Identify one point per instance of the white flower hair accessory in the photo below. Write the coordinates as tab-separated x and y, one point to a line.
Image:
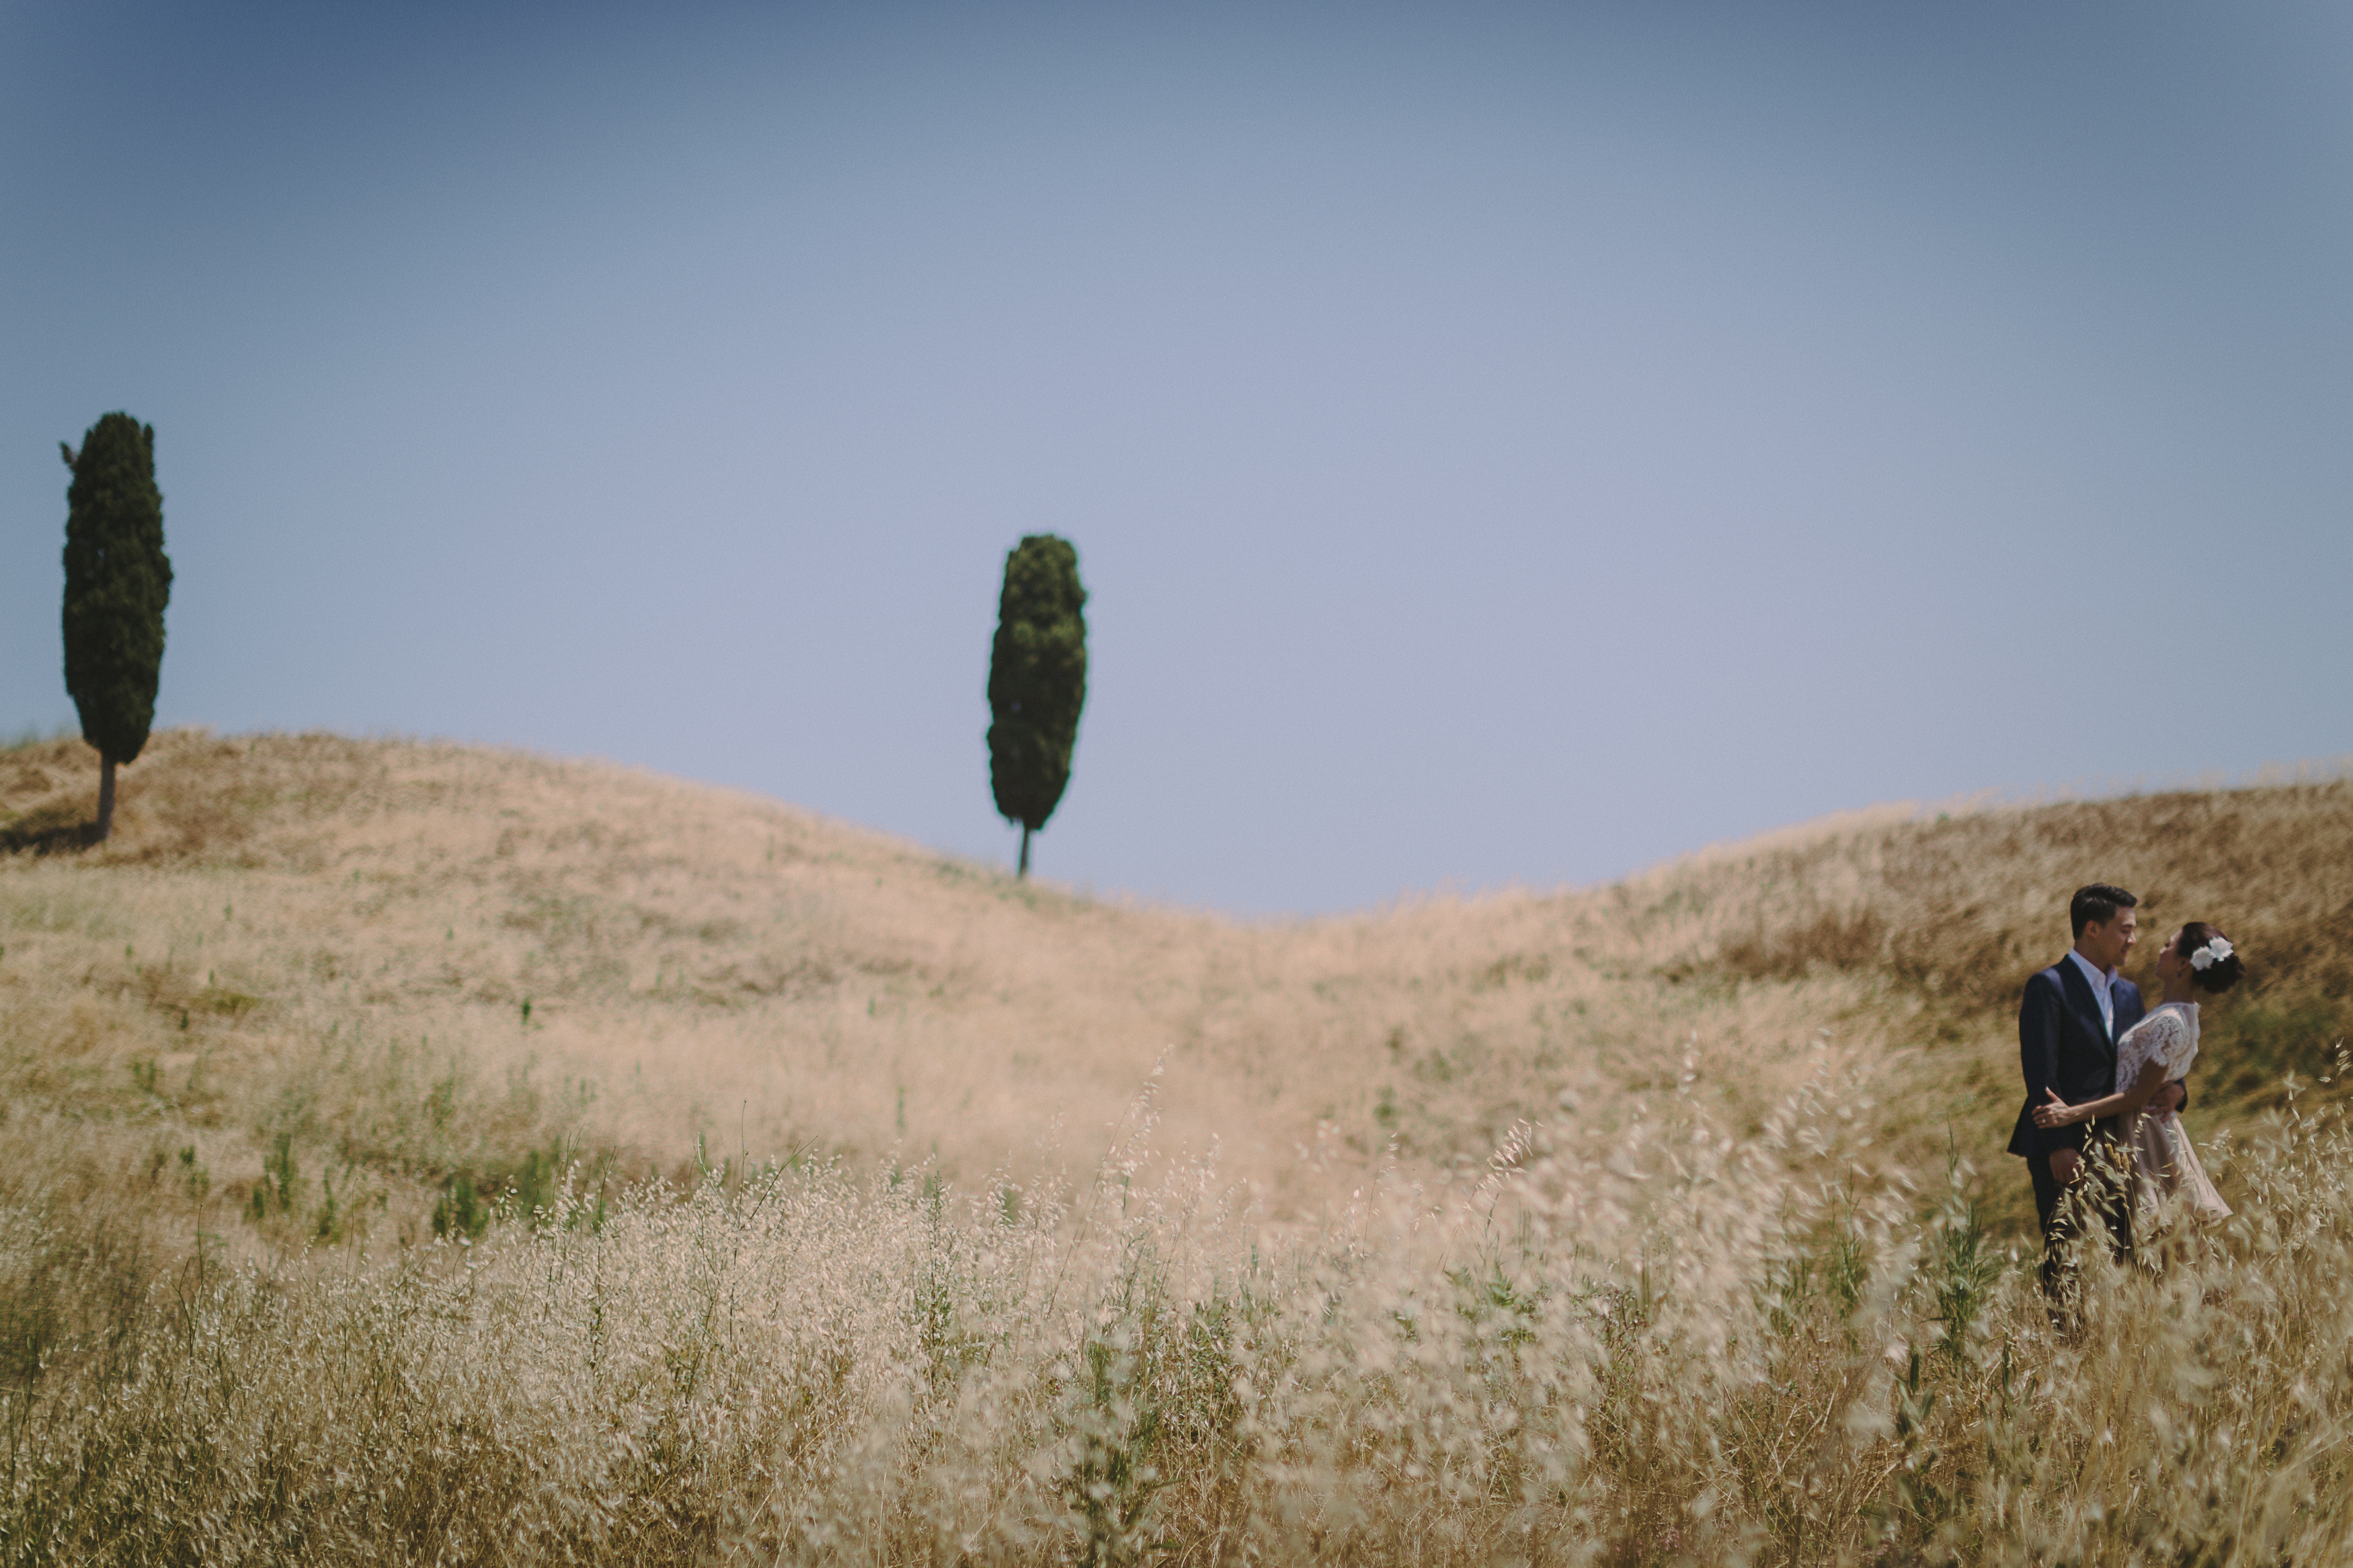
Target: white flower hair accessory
2213	953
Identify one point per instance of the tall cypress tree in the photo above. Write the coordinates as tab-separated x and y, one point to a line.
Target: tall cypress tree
1037	682
118	581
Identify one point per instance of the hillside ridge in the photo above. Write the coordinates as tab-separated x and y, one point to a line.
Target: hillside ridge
414	963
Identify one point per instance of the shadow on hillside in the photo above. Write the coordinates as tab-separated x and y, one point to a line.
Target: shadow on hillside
44	833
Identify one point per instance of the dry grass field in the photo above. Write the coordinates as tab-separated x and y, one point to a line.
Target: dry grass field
423	1153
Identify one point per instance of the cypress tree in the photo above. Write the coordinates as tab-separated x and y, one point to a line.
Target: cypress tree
1037	682
118	581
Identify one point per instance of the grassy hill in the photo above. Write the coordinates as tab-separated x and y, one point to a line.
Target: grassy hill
937	1145
413	962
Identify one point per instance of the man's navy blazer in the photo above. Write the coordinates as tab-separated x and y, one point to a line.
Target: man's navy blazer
2062	1044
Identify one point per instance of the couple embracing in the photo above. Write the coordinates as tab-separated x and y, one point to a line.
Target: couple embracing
2105	1075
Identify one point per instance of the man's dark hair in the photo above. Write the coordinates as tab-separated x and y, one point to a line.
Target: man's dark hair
2098	903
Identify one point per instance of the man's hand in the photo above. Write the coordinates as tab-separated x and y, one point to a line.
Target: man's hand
2168	1097
2066	1164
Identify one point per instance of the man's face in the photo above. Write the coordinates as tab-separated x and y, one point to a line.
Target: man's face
2106	944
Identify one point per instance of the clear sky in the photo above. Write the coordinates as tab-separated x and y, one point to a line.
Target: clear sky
1503	443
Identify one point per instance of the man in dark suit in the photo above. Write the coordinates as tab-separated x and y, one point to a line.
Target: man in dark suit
2068	1024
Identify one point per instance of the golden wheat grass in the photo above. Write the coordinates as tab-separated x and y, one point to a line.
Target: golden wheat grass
419	1153
815	1366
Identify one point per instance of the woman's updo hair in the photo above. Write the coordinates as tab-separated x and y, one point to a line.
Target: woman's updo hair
2218	977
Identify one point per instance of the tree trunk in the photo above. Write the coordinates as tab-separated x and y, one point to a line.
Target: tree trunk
105	796
1023	874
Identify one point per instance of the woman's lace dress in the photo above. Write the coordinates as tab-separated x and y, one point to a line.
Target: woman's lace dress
2165	1168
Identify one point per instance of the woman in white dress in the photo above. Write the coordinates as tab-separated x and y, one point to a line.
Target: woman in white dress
2158	1051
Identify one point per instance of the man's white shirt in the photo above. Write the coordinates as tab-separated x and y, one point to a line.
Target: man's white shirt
2100	981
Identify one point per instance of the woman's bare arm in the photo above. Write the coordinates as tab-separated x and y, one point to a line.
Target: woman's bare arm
2058	1112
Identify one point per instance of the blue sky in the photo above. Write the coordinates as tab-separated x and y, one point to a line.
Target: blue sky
1504	443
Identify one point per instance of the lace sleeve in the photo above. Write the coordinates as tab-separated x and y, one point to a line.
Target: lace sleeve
2180	1049
2164	1040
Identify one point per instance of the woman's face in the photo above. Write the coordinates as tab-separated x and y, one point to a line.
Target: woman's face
2168	958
